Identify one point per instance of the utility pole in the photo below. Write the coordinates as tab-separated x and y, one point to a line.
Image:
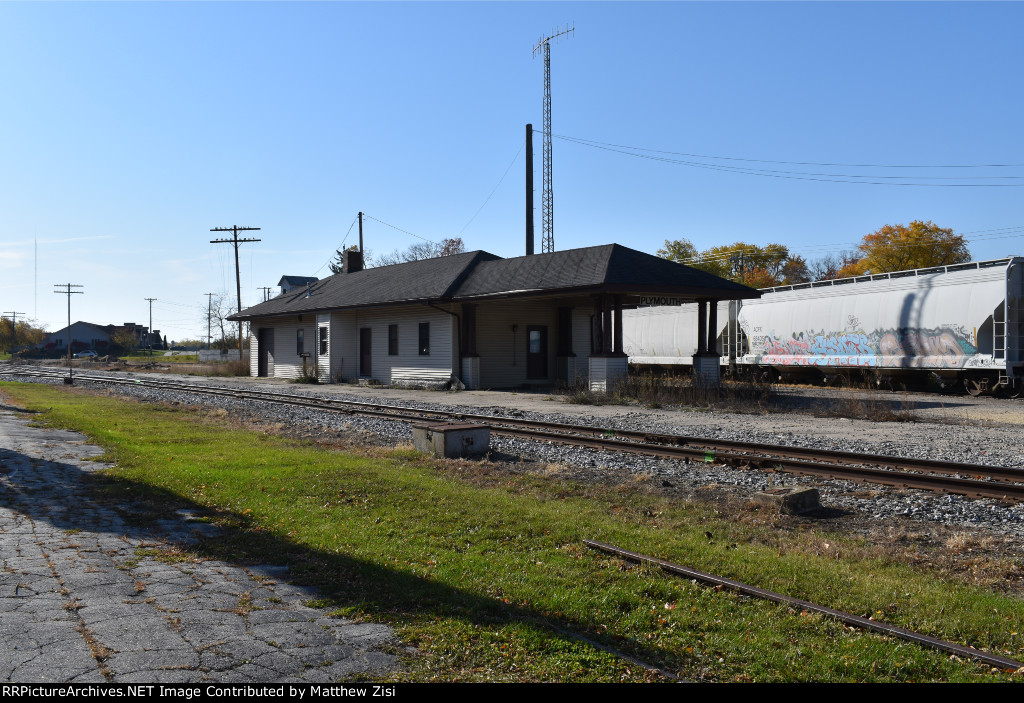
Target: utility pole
547	198
361	235
14	330
235	229
70	380
266	292
209	318
149	334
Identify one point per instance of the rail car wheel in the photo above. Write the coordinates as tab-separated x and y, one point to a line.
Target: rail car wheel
975	386
1015	389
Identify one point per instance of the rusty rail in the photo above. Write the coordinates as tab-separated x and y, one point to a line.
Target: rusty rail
846	618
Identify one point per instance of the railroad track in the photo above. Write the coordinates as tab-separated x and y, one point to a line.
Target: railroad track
972	480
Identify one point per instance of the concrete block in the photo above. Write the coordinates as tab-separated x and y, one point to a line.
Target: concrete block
790	500
451	439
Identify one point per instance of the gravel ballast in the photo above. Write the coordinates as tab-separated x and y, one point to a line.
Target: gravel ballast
993	445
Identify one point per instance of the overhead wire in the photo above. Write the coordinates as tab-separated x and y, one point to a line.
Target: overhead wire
809	176
494	190
341	247
791	163
404	231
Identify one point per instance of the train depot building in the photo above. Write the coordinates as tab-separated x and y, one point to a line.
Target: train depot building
477	320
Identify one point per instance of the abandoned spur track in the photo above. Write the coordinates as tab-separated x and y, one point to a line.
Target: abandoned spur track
971	480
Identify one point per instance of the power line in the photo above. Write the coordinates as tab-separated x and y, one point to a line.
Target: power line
810	176
404	231
340	247
791	163
494	190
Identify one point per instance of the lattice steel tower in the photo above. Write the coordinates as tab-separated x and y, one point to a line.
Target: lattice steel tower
547	198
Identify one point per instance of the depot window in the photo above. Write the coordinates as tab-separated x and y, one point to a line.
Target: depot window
323	340
300	343
424	339
392	340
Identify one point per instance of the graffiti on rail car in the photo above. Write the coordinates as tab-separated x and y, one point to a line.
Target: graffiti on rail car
938	348
906	348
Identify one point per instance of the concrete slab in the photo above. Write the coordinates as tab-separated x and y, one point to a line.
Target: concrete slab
791	500
79	604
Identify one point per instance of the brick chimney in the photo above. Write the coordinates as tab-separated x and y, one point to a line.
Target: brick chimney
351	261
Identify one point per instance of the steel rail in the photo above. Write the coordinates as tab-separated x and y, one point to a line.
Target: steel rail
995	660
789	459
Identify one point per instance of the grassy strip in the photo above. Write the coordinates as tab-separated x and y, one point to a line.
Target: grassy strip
159	357
484	572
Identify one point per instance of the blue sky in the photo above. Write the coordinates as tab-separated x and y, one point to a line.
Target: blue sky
128	130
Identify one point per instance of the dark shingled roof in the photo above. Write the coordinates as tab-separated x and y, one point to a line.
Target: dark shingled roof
415	281
611	268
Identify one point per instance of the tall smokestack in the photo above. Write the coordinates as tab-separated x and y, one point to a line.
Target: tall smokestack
529	190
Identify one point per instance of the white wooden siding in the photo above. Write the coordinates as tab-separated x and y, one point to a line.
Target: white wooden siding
323	361
287	362
502	360
344	346
254	355
407	366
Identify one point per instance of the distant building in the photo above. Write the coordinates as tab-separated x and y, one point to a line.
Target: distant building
87	335
290	283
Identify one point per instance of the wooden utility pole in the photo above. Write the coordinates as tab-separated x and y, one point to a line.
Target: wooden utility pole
70	380
209	318
266	292
235	229
149	334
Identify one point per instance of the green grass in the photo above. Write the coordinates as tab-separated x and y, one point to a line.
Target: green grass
159	356
484	571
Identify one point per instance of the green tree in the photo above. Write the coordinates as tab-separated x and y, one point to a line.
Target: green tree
125	340
901	247
337	262
681	251
749	264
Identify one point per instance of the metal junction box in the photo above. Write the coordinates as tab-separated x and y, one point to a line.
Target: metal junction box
451	439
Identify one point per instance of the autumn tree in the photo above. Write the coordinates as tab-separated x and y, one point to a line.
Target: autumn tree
24	334
901	247
750	264
833	266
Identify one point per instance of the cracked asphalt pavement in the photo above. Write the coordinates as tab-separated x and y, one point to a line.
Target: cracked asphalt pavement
85	596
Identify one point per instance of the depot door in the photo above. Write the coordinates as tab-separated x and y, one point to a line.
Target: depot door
536	351
265	346
365	352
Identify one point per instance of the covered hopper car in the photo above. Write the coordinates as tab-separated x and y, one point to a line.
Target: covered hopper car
953	325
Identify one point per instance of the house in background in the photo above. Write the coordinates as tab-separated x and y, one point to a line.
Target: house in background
290	283
477	319
87	335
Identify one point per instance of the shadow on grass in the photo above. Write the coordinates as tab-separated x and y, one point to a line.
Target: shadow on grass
83	500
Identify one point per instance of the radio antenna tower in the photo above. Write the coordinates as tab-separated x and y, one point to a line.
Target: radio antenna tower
547	199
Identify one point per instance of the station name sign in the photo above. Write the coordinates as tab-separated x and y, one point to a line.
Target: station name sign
662	300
